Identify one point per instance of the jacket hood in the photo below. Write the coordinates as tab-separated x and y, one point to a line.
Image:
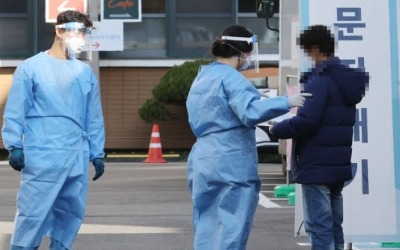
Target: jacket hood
352	82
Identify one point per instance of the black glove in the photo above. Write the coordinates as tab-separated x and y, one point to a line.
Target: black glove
17	159
99	167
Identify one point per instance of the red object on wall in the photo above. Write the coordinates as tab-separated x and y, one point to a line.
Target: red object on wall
55	7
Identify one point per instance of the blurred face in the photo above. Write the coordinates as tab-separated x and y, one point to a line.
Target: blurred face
316	56
311	54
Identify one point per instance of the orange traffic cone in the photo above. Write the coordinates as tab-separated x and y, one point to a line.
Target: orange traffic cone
155	151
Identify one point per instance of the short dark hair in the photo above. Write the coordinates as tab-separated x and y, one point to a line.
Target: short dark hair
317	36
73	16
228	48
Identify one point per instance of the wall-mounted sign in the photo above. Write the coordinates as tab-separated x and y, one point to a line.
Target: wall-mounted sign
122	10
107	36
55	7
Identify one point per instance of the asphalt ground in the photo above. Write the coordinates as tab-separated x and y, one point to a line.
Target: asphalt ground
148	206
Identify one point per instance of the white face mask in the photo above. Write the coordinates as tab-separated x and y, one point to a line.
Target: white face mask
246	63
75	44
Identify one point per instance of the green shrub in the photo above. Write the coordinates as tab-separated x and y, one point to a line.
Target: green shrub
153	111
172	89
175	84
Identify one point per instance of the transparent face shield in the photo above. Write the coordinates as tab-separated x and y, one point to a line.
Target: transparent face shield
254	63
75	39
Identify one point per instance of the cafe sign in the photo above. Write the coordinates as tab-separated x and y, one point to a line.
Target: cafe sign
121	10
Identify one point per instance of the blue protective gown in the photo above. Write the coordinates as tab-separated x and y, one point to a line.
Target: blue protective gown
54	113
223	108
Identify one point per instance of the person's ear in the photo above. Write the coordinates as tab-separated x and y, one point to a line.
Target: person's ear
59	33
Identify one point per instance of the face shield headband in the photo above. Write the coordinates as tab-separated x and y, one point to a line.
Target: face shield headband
254	54
75	27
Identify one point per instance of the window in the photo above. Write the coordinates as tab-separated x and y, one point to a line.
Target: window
247	6
153	6
193	25
13	7
142	40
267	39
173	28
14	35
145	39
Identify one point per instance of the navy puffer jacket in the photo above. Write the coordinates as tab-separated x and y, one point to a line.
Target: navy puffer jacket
323	129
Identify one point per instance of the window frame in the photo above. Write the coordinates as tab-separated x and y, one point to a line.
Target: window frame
36	27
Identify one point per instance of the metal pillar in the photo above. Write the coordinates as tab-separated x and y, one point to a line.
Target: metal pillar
93	11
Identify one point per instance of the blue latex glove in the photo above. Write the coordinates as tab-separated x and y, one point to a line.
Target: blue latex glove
17	159
99	167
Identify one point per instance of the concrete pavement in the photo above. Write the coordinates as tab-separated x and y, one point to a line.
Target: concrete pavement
148	206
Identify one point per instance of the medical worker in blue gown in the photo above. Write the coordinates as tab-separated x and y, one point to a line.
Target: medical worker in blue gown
223	108
53	126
